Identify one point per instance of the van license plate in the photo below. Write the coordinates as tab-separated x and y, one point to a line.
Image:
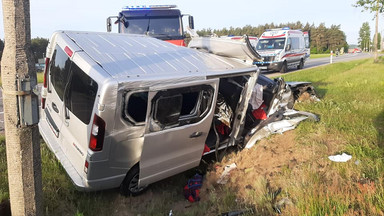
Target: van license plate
263	67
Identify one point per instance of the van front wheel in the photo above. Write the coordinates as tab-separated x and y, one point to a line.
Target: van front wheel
284	67
130	185
301	64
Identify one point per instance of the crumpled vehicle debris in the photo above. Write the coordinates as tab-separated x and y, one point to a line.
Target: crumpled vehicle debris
288	122
279	96
240	49
303	88
270	108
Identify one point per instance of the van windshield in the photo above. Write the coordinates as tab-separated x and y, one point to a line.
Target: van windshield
273	43
159	27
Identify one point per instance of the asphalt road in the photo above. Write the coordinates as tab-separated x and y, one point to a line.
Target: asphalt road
311	63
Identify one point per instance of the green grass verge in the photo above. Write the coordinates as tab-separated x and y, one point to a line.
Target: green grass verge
4	192
352	111
315	56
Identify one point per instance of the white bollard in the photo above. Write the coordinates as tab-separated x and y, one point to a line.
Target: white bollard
331	57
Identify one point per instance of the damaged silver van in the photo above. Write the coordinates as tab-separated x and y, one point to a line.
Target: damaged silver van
130	110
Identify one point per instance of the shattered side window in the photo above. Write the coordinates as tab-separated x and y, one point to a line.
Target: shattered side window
177	107
168	109
135	109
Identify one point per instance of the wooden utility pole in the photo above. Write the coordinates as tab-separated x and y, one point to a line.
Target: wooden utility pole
376	31
20	105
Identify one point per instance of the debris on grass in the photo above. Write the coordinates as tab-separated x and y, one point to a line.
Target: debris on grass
225	175
192	189
340	158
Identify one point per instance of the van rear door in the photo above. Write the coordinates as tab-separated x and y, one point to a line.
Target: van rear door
79	102
178	121
70	103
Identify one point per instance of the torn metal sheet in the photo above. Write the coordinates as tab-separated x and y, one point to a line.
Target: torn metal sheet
275	127
238	49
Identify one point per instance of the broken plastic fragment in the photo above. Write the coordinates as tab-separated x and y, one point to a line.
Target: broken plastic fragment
340	158
225	175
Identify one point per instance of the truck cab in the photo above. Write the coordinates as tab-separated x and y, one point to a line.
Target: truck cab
163	22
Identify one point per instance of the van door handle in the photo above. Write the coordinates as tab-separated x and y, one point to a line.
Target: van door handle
54	107
195	134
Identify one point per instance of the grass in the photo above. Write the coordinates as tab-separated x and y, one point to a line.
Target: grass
4	193
352	121
352	110
315	56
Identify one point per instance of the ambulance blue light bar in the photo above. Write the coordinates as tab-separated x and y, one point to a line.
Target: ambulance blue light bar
149	7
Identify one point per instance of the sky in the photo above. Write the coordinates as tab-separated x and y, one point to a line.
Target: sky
48	16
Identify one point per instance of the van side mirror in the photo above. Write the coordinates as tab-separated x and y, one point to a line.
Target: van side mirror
191	23
109	24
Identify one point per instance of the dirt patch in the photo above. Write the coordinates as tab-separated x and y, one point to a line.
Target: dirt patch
267	158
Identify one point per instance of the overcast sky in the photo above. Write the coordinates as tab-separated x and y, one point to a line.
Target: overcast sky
48	16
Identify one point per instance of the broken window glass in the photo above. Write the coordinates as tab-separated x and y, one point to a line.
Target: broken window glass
135	109
180	106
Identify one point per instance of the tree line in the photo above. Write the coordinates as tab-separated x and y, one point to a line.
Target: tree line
323	39
365	42
38	47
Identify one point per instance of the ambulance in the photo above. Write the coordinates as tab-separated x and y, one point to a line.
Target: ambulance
283	48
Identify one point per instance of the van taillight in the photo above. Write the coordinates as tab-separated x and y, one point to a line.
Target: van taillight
45	82
97	134
86	165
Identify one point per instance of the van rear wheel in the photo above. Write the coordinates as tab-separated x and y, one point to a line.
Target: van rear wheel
130	185
284	67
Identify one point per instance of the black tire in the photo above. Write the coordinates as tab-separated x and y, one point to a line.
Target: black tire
284	67
301	65
130	185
